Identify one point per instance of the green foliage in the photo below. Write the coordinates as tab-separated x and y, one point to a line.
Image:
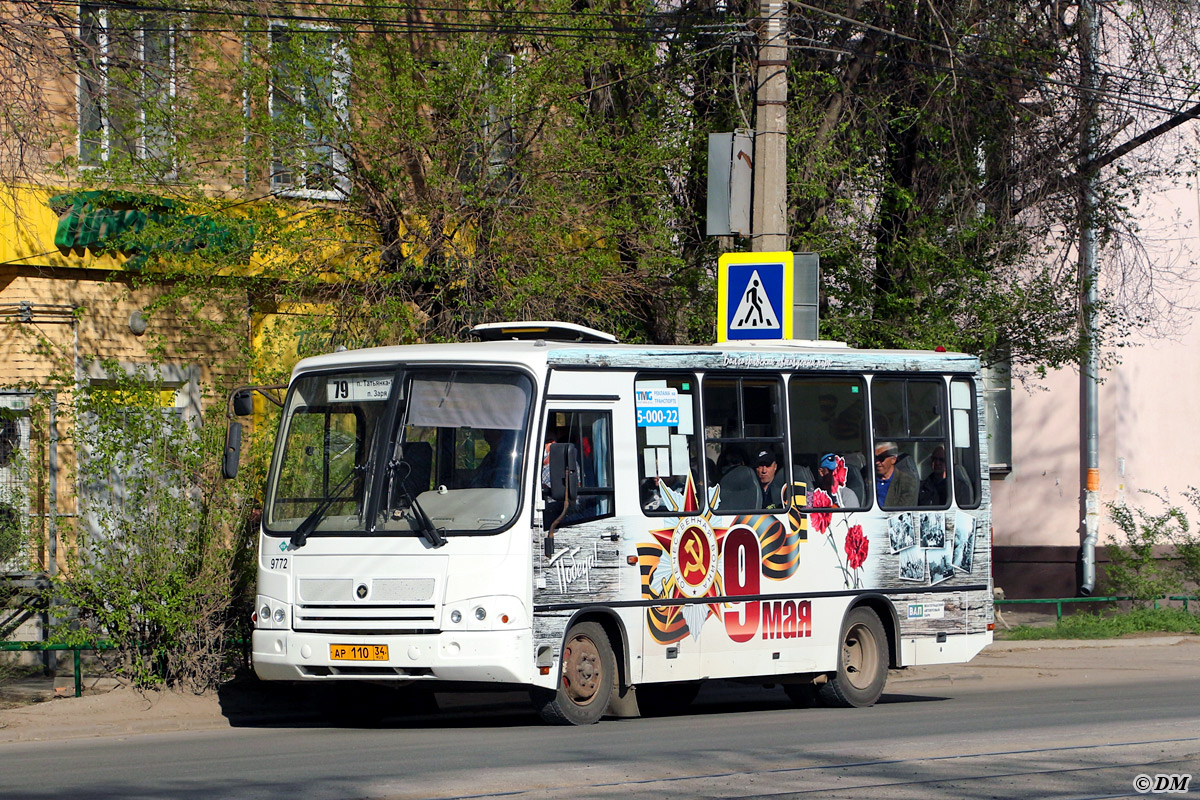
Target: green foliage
1187	548
14	493
11	535
1153	554
160	554
477	177
488	161
1112	624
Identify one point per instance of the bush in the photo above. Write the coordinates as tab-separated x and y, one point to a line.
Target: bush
11	534
157	562
1136	567
1187	549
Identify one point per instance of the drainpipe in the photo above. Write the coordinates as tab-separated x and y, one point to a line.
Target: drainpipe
52	527
49	661
1090	366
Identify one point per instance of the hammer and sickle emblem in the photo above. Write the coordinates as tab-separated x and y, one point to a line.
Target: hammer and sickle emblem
693	550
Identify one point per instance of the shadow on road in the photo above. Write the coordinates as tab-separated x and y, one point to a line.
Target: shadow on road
249	702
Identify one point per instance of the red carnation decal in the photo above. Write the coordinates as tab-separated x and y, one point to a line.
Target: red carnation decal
856	547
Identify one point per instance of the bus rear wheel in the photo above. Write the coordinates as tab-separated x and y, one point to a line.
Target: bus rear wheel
862	662
586	681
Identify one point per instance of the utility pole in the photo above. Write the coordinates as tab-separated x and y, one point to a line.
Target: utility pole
1089	367
769	222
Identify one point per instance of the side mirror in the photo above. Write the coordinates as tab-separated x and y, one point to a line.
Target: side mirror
564	472
233	450
243	403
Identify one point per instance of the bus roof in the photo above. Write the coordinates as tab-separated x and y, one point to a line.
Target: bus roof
538	354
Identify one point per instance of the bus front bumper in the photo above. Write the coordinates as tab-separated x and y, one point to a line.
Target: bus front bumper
482	656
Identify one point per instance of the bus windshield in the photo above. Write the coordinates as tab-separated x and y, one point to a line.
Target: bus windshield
456	455
448	460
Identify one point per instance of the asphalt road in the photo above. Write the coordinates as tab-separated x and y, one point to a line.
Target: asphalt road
1051	723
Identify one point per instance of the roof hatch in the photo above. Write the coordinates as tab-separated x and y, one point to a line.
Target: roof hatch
549	331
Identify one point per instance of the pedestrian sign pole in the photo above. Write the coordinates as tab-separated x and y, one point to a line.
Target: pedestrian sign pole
754	296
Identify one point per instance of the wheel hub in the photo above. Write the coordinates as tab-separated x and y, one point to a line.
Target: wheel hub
582	671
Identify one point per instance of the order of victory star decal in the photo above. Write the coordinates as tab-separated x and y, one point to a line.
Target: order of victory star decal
686	566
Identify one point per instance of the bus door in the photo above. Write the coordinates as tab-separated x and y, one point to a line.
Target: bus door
584	564
676	547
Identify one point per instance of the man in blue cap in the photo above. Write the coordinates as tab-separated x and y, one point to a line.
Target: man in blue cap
832	471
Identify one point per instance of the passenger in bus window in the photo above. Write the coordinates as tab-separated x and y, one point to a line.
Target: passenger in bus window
895	488
831	473
933	487
770	483
496	470
552	437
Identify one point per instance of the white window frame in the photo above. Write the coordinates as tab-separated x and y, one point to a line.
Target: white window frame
498	134
14	477
183	379
102	96
340	80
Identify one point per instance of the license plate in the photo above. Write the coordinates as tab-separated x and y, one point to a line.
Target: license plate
358	652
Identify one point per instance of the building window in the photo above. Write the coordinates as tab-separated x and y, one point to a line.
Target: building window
127	85
310	77
16	551
499	137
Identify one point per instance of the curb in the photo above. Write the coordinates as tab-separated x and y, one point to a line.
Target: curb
1071	644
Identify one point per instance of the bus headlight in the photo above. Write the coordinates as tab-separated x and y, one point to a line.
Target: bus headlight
480	614
264	613
279	616
456	616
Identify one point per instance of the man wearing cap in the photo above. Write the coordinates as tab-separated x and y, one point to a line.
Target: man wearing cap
766	468
894	487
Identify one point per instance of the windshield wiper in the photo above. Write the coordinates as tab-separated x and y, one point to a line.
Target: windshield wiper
425	526
305	528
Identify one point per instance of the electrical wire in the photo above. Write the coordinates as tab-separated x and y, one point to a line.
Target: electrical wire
970	64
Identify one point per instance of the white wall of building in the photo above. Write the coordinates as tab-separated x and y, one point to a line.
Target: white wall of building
1149	413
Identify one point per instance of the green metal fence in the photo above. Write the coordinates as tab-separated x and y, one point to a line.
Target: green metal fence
1059	601
74	648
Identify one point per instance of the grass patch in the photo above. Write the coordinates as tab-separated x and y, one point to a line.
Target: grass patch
1085	625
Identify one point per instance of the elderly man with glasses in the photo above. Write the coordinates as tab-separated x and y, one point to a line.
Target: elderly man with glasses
895	488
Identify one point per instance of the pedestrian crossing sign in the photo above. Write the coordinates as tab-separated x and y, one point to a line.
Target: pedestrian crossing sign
754	296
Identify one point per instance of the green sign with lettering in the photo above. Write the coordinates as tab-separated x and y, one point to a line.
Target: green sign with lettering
97	220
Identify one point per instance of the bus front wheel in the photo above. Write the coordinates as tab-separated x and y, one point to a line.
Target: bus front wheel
586	681
862	662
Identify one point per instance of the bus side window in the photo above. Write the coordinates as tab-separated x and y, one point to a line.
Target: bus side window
828	421
743	428
591	433
964	418
911	444
667	446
